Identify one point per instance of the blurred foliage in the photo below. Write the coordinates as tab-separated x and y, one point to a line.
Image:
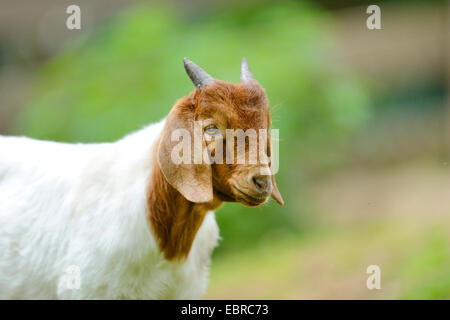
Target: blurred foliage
129	73
331	264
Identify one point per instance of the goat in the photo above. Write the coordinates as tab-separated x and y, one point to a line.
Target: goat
121	220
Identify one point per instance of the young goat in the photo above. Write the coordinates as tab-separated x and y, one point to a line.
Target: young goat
122	220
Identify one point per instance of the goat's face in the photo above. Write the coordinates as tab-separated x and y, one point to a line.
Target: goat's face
222	111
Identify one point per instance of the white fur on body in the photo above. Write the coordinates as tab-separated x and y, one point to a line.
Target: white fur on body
84	205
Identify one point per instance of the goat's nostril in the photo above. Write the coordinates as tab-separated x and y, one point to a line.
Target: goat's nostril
262	183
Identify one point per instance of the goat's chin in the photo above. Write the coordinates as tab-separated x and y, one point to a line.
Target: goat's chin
239	196
246	199
251	202
222	196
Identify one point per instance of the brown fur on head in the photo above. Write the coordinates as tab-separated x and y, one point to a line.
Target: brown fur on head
181	194
220	105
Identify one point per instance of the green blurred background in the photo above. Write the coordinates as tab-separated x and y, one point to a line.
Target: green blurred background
363	118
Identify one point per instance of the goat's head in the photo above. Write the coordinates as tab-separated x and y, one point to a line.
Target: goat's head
215	116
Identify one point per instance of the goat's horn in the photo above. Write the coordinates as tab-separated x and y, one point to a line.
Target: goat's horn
246	74
198	76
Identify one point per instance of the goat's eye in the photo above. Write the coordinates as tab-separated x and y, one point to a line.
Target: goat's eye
212	130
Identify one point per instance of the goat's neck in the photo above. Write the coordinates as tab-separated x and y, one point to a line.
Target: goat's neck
174	220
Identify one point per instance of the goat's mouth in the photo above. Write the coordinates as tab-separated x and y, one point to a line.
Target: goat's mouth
247	199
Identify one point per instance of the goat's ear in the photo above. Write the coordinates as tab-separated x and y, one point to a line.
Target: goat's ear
276	195
193	181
